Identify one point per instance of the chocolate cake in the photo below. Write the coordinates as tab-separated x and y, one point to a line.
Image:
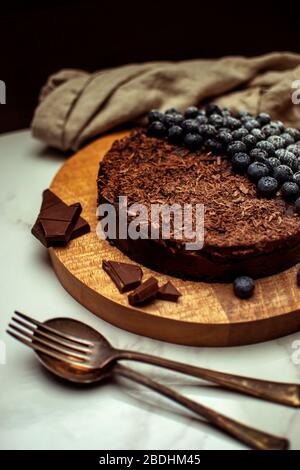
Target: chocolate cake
245	234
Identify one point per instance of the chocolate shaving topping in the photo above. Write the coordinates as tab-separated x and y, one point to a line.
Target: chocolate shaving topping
125	276
237	221
168	292
144	292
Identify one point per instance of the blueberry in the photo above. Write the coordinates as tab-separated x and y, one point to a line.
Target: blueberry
238	134
235	147
216	120
175	134
258	155
155	115
201	119
273	162
288	139
266	146
232	123
297	206
191	112
224	137
295	149
225	112
297	177
243	113
243	287
250	141
280	153
267	186
190	126
290	160
263	119
271	129
283	173
157	129
207	131
193	141
257	170
290	191
172	119
212	109
251	124
293	132
276	141
172	111
259	134
240	162
213	146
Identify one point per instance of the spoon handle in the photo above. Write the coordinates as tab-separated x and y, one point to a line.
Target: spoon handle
284	393
252	437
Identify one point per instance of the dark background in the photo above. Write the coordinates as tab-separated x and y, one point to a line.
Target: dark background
39	39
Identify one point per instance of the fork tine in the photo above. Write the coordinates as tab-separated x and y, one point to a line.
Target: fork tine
53	330
49	344
38	332
47	351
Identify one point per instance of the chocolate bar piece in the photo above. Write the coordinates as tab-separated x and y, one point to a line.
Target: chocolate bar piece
168	292
125	276
145	292
57	222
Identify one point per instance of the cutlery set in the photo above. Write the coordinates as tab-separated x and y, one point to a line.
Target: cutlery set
78	353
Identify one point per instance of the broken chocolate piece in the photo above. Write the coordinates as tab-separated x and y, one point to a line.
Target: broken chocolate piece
125	276
144	292
168	292
58	222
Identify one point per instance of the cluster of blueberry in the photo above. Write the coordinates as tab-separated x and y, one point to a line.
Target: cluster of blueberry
265	150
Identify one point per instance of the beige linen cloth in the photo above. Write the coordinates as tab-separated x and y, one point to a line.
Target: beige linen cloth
76	106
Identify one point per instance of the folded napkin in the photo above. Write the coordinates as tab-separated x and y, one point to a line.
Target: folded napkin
76	106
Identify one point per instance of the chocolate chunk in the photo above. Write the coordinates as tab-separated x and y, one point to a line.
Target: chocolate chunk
144	292
168	292
58	222
125	276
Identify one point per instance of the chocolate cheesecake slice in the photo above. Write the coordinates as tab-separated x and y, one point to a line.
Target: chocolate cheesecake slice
244	234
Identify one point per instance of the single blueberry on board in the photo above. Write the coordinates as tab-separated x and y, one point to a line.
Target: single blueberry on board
243	287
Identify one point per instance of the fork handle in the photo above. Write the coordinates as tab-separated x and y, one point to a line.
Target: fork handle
284	393
252	437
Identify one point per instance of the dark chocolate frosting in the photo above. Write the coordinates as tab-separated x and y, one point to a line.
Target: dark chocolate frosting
244	234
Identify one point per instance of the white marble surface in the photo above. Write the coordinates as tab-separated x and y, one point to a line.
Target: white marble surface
38	412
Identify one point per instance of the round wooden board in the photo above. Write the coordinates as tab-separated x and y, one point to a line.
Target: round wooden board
206	314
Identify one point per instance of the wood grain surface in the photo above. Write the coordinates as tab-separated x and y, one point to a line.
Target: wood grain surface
205	315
